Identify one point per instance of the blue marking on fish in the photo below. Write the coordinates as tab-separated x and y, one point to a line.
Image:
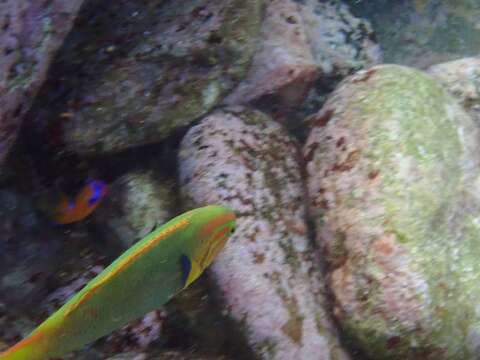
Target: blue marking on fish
97	187
186	267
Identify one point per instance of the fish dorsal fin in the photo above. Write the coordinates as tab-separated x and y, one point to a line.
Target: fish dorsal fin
190	270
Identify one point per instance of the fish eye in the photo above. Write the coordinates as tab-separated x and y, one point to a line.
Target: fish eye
232	230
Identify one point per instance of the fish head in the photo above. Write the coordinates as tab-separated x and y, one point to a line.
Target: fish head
217	225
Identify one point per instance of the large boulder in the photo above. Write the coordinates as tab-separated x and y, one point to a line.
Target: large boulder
267	276
147	69
393	176
300	42
30	34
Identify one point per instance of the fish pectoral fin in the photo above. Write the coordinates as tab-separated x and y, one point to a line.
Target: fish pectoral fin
191	270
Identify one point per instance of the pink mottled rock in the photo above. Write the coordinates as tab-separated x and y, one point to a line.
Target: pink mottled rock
267	276
303	41
30	34
462	79
283	61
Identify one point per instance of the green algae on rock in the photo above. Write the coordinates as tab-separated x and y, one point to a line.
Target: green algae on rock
393	176
181	65
267	275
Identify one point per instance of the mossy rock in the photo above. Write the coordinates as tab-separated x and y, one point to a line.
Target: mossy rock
149	69
393	175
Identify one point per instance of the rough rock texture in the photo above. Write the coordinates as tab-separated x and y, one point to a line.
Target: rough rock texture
423	32
29	250
30	34
11	325
462	79
167	355
393	173
283	63
267	274
137	203
147	69
303	40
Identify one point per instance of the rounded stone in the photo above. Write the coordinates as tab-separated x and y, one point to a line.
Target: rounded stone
267	276
393	173
153	69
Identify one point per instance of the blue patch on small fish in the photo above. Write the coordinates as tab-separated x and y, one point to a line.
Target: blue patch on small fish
71	204
97	187
186	268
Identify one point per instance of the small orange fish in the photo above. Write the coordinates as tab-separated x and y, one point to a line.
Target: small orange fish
87	200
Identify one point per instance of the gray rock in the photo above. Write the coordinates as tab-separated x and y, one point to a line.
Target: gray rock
462	79
393	173
152	68
166	355
420	33
137	203
30	34
267	275
29	252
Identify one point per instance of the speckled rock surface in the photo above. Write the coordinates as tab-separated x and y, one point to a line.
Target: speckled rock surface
301	40
267	275
29	252
166	355
462	79
30	34
137	203
393	173
420	33
148	68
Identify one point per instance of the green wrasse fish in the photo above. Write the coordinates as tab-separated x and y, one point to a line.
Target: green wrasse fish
142	279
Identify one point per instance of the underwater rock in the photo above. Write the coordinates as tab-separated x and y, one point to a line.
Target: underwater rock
283	64
29	252
462	79
420	33
300	41
13	326
166	355
140	334
31	32
267	276
155	67
136	204
393	176
195	309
